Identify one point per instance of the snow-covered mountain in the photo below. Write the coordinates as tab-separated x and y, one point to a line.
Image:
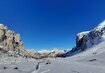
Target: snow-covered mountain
47	53
52	53
88	39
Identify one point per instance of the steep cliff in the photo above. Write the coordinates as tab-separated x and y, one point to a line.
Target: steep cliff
10	41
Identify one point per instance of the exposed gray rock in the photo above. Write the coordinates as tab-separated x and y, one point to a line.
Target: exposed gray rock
10	41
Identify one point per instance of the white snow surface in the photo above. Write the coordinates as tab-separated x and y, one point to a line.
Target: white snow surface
100	26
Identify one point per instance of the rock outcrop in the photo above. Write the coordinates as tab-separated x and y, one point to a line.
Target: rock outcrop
10	41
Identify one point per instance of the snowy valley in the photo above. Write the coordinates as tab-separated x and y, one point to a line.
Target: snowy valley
87	57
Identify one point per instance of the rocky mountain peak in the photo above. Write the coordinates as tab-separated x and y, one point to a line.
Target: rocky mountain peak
10	41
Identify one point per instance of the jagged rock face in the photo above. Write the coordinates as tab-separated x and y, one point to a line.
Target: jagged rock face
81	40
9	40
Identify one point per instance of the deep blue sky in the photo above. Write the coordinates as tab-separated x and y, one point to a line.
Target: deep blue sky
51	23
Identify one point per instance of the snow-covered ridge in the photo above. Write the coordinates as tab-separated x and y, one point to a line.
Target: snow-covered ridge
100	26
94	36
47	53
81	34
85	40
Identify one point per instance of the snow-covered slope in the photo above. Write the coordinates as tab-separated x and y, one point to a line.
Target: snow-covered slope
88	39
89	61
